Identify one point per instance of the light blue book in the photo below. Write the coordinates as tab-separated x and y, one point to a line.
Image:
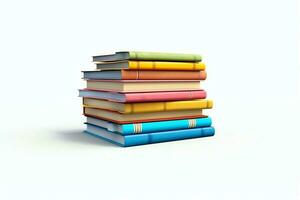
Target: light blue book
148	138
95	75
148	127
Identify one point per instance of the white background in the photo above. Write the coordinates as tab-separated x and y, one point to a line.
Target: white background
252	53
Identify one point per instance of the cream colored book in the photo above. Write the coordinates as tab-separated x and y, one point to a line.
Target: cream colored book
121	118
148	106
143	85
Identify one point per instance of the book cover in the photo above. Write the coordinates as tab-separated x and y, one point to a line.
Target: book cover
148	127
151	65
149	138
142	55
128	108
145	75
143	96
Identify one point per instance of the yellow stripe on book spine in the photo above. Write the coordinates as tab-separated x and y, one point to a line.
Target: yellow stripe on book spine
192	123
134	128
137	128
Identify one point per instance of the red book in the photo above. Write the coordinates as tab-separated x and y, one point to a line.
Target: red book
143	96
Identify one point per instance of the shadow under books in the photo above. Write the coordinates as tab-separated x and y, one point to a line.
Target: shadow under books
78	136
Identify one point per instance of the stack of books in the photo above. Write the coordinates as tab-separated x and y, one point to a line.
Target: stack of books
136	98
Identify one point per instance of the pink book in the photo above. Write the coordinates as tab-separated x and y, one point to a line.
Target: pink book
143	96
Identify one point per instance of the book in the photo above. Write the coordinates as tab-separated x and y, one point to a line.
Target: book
145	75
151	65
141	55
120	118
128	108
148	127
149	138
143	85
143	96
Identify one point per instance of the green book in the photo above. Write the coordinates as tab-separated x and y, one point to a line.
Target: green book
155	56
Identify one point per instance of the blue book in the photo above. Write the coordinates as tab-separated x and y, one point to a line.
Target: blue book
148	138
96	75
148	127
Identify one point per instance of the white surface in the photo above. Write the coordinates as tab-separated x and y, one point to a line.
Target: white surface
252	52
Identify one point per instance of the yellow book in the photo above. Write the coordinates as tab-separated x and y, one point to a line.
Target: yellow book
128	108
151	65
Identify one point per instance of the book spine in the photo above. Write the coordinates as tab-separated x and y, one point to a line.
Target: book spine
133	55
200	115
155	65
164	96
133	140
166	106
163	75
149	127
